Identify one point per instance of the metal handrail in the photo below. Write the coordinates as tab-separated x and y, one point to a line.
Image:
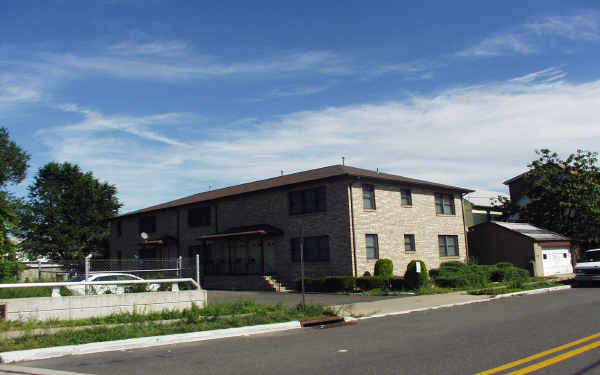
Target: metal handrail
108	282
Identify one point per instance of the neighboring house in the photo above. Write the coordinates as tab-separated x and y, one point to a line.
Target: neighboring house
541	251
518	189
482	206
348	218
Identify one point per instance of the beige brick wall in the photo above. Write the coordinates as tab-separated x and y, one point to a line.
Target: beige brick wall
268	207
391	221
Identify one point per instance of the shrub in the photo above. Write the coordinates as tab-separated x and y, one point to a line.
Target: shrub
10	270
461	275
326	284
372	282
337	284
396	283
516	277
311	284
454	265
504	265
384	268
414	279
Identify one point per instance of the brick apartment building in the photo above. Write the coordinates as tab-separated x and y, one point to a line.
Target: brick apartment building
348	218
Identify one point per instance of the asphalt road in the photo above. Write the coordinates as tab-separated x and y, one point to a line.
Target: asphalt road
459	340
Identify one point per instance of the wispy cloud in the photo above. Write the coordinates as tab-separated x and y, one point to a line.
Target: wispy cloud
584	26
173	60
411	70
141	127
538	36
469	136
299	91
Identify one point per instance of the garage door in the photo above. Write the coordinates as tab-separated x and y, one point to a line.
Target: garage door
556	261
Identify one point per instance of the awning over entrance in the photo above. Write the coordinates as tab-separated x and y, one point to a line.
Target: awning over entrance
260	230
233	259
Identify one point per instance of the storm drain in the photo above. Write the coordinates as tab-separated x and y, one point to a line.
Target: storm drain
334	321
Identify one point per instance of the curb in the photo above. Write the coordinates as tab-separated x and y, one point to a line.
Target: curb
15	370
147	342
488	299
142	342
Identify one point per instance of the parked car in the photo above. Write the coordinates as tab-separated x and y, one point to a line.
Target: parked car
79	290
588	267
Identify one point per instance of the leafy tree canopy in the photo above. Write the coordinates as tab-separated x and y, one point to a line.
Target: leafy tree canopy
68	211
565	195
13	165
13	160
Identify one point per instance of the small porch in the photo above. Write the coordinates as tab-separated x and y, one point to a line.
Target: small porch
239	251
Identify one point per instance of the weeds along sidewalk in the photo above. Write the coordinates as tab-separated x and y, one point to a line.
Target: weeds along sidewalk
241	314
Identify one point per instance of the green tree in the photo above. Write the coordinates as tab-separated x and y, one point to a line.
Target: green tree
565	195
13	166
67	213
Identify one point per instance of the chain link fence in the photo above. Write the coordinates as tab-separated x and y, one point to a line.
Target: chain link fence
159	268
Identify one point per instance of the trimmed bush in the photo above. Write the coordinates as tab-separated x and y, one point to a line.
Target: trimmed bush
372	282
396	283
461	275
384	268
454	265
414	280
516	277
326	284
337	284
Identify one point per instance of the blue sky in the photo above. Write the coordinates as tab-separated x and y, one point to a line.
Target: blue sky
168	98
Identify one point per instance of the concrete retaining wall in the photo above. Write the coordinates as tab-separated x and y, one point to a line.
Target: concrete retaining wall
82	307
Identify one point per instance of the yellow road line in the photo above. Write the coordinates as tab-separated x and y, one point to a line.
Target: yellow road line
537	356
553	360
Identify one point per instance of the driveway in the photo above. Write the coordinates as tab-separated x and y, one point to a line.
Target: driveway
291	299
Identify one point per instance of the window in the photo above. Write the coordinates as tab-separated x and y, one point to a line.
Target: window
368	196
448	246
409	242
148	224
307	201
199	216
372	245
406	197
444	204
316	249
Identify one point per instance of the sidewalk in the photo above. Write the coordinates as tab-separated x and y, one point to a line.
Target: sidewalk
360	310
426	302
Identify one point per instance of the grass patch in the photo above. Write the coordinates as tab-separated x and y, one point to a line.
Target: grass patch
211	310
509	289
192	320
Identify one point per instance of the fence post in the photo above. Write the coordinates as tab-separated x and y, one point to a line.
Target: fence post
39	269
179	266
87	271
198	269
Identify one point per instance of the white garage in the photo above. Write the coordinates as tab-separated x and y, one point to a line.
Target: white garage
542	252
556	261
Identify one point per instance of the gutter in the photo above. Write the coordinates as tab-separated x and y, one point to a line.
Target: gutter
353	231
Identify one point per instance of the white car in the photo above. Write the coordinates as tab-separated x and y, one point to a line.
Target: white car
79	290
588	267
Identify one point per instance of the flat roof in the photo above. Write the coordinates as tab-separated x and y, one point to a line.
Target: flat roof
292	179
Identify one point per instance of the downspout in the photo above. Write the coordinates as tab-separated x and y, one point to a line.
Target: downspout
462	207
353	232
178	233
